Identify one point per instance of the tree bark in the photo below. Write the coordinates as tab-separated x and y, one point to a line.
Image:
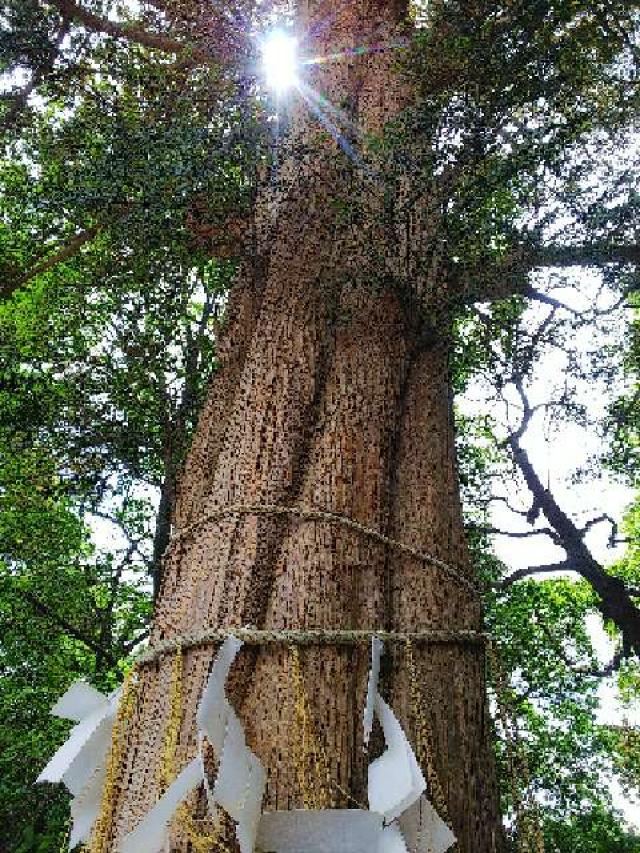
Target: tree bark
331	397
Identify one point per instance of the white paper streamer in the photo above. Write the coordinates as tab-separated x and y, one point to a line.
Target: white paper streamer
80	700
400	819
214	708
395	779
396	783
424	829
240	782
80	762
150	835
325	831
241	779
85	808
377	647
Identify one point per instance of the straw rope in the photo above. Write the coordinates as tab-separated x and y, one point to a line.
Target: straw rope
311	514
313	637
168	769
312	766
103	830
201	842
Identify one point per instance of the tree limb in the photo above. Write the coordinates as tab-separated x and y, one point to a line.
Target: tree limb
590	671
509	276
521	534
501	499
44	610
130	646
615	603
45	68
585	256
130	32
598	520
562	566
63	254
545	299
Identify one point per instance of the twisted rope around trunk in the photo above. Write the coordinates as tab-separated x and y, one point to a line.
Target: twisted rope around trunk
311	514
315	637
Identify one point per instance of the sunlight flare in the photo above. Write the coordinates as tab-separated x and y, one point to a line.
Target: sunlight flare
280	61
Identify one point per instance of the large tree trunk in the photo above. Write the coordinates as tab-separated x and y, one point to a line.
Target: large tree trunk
330	396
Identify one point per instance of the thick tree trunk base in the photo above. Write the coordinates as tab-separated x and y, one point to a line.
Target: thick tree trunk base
354	418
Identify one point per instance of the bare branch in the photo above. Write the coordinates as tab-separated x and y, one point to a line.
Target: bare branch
501	499
562	566
604	671
528	412
545	299
598	520
615	602
585	256
589	671
521	534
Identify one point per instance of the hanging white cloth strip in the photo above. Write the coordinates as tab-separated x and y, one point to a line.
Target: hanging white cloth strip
396	783
424	830
150	836
80	763
240	783
372	687
241	780
400	818
324	831
395	779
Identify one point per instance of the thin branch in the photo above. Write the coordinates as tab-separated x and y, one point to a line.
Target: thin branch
44	610
130	32
585	256
500	498
545	299
41	71
528	412
130	646
134	543
598	520
604	671
521	534
589	671
63	254
563	566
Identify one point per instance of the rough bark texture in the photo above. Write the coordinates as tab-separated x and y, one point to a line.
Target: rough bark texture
329	396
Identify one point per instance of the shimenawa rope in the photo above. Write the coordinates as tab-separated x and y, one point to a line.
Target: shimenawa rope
312	514
313	637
